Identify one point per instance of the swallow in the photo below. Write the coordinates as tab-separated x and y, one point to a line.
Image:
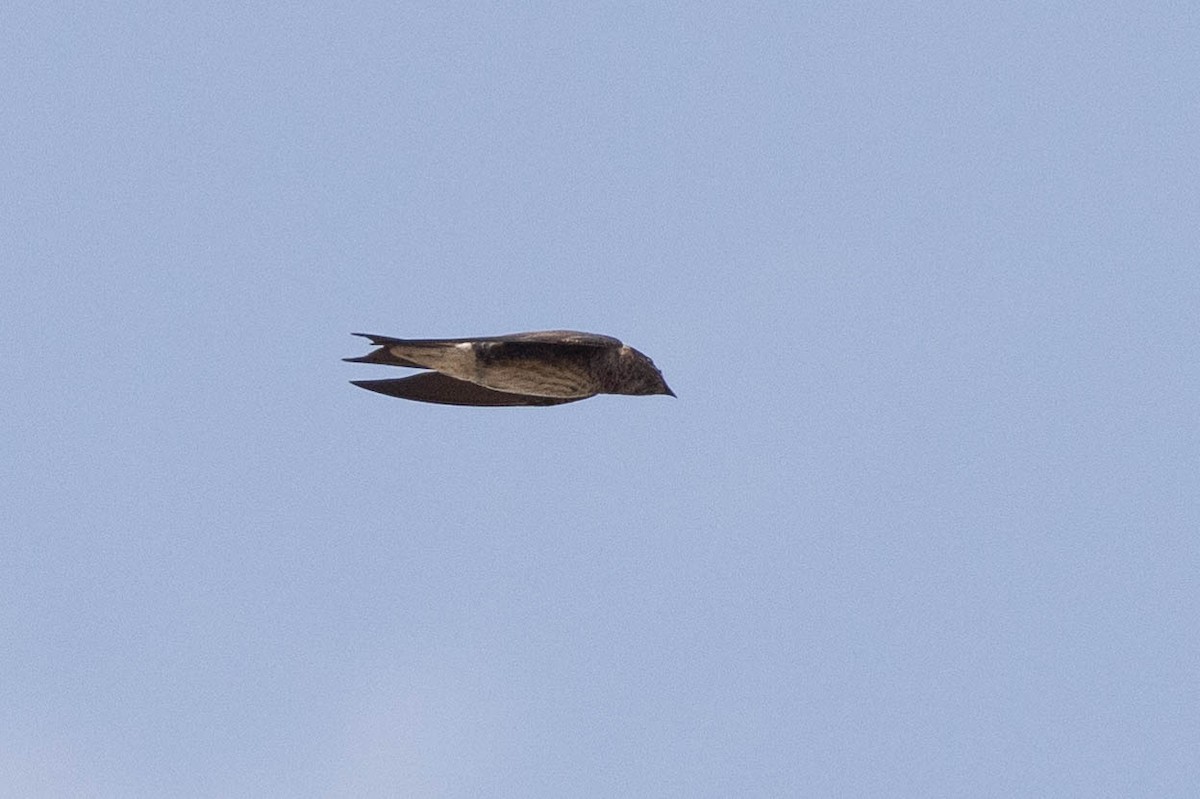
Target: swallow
547	367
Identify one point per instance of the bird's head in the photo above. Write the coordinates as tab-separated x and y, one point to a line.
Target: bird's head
641	376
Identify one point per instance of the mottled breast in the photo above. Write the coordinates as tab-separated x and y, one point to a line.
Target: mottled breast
545	370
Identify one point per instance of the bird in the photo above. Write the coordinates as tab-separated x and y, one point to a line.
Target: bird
545	367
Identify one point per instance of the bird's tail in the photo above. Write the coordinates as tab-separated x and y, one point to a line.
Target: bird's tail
383	355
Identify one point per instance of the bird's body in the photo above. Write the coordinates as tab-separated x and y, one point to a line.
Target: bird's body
547	367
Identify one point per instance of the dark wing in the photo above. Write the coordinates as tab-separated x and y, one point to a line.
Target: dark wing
572	338
443	390
546	338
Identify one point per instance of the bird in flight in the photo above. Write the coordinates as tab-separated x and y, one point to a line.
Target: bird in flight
547	367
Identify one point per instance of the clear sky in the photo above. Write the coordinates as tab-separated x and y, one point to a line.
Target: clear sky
923	520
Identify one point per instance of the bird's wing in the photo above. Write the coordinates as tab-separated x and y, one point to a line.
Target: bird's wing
444	390
573	338
543	338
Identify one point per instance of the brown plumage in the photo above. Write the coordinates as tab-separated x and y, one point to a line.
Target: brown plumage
547	367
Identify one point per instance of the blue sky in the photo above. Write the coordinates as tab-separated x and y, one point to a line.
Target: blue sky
923	520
